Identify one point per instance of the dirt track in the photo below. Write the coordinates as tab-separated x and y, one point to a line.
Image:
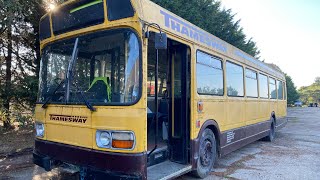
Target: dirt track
295	154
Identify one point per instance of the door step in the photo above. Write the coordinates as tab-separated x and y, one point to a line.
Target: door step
158	156
167	170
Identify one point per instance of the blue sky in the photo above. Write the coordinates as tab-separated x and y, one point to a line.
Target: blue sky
287	33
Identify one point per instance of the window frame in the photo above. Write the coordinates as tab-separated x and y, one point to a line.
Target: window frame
278	83
275	80
257	79
267	85
243	83
223	74
284	91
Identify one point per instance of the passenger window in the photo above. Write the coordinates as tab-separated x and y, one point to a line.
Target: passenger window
263	86
285	91
251	83
272	88
280	90
234	79
209	74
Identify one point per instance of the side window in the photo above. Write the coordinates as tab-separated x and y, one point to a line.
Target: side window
263	86
272	88
234	79
285	91
280	90
209	74
251	83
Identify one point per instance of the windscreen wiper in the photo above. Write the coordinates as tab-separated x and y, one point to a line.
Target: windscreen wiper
70	76
45	105
70	69
89	106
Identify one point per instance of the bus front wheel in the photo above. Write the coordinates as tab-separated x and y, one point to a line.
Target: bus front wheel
207	154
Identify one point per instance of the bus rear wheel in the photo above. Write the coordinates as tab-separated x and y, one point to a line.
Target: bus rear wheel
207	154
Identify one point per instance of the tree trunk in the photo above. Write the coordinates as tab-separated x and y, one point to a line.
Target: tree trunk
7	92
38	57
41	11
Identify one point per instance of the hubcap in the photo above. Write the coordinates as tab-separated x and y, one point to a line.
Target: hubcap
206	153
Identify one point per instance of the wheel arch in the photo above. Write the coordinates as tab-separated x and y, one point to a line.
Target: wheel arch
213	125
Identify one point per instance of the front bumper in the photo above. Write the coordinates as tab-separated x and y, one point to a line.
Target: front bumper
100	164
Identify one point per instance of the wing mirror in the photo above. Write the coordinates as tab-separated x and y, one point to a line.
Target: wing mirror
161	40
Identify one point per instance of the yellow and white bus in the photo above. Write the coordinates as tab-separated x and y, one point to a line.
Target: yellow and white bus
130	90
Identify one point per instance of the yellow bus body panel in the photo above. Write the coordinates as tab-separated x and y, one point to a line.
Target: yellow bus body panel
83	134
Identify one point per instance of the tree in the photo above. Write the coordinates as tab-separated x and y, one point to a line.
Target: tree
208	15
292	92
9	16
311	94
317	80
19	55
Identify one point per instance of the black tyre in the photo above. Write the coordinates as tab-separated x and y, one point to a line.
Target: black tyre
207	154
272	133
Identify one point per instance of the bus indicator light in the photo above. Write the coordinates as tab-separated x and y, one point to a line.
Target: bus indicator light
122	140
198	123
200	106
122	144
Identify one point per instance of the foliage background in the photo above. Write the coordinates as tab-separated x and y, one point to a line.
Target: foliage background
292	92
310	94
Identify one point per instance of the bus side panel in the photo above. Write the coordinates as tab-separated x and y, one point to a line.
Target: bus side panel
282	109
273	107
252	111
235	113
239	137
212	109
264	109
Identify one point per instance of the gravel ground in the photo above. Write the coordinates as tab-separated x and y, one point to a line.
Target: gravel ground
295	154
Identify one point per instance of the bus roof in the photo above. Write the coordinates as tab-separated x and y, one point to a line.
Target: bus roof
173	24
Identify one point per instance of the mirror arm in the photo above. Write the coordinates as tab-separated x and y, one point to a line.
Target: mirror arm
147	34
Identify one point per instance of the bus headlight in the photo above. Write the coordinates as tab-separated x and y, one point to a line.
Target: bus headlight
103	139
39	129
115	139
